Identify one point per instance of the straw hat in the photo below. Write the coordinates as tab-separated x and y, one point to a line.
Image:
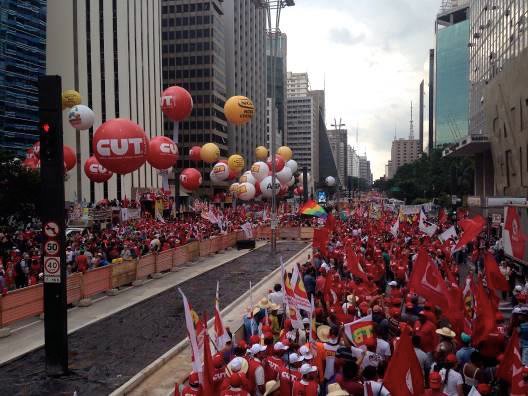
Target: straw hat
351	299
273	307
271	386
264	303
236	365
323	333
336	390
446	332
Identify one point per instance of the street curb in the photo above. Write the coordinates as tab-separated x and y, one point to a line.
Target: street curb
137	379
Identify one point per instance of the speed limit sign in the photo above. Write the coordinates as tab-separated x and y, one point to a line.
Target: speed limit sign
51	248
52	270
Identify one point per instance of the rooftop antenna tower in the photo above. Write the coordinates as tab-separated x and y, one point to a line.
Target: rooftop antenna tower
411	125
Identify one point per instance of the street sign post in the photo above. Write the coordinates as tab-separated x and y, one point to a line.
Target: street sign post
53	224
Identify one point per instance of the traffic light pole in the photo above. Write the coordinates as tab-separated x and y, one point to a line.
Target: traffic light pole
53	225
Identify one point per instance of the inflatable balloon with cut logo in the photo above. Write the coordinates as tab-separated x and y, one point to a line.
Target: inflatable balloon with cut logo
236	162
219	173
234	189
209	153
260	170
279	163
95	171
120	145
176	103
70	158
194	153
266	186
81	117
70	98
285	152
285	175
162	153
292	165
191	179
246	191
248	177
239	110
261	153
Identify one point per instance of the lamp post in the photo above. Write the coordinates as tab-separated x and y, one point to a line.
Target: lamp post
338	140
274	9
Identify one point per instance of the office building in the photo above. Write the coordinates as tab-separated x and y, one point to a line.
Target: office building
421	114
272	116
364	169
193	52
404	151
428	103
297	84
245	62
23	59
339	144
452	76
352	162
111	54
280	76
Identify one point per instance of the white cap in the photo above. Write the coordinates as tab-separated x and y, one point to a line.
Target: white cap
236	364
294	358
518	288
257	348
306	320
307	369
393	283
305	351
279	346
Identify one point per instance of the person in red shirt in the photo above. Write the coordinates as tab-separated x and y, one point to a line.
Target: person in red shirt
436	385
426	329
219	373
290	374
255	372
307	386
194	388
273	364
235	387
81	262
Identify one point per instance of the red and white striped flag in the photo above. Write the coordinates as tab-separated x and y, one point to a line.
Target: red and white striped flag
221	336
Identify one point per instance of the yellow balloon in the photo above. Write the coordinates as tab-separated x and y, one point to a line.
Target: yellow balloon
261	153
209	153
236	162
285	152
70	98
239	110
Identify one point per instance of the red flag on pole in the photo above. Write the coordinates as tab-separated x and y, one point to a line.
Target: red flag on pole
484	322
427	281
404	375
208	369
353	265
494	277
472	228
510	369
320	239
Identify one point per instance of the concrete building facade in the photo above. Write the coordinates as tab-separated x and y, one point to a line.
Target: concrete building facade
365	172
280	41
109	51
403	151
339	144
272	117
352	162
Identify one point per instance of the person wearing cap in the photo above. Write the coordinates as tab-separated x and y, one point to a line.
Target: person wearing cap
219	373
426	329
290	374
464	353
304	333
193	388
452	380
307	386
435	384
329	337
235	387
255	373
273	363
240	366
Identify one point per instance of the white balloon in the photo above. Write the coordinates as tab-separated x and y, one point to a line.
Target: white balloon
292	165
260	170
285	175
219	173
81	117
330	181
234	189
246	191
266	186
292	181
247	177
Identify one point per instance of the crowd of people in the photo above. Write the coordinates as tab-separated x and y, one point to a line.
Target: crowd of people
20	250
393	311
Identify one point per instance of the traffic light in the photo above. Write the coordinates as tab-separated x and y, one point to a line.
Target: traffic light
50	116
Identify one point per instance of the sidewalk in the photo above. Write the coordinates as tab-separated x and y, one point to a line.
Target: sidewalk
29	335
158	378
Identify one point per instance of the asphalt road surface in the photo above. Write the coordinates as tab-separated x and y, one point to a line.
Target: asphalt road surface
106	354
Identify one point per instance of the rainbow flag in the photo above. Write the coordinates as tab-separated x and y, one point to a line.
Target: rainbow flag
311	208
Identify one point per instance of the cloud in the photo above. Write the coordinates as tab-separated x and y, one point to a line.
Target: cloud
346	37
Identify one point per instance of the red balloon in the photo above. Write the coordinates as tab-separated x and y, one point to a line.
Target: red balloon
279	163
194	153
258	191
36	149
95	171
70	158
162	153
191	179
120	145
176	103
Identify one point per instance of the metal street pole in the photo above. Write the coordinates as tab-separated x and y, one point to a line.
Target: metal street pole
274	8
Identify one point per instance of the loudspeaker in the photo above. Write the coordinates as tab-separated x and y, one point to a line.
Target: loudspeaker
246	244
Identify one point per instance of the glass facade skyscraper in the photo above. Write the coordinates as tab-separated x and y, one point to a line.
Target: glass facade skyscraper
22	60
452	83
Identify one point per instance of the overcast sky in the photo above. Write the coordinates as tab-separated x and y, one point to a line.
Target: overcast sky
372	53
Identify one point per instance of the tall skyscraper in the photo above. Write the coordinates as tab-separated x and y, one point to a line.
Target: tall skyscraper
421	114
272	117
245	42
339	144
280	42
352	162
22	60
365	172
111	54
452	76
194	57
297	84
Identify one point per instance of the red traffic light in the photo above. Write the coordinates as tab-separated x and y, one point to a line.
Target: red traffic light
46	127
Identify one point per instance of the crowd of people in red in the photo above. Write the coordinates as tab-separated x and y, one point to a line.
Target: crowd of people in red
392	311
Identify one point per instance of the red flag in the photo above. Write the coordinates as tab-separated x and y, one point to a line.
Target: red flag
510	369
472	228
320	239
208	369
427	281
330	222
352	262
494	277
484	322
455	313
404	375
